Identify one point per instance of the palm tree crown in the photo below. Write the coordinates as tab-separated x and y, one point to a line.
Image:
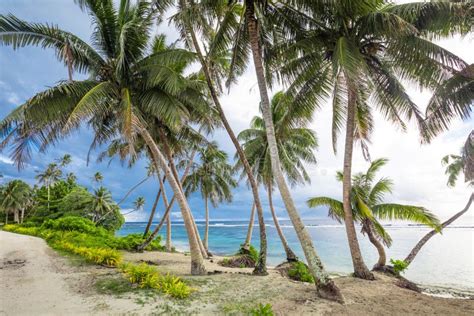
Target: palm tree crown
368	207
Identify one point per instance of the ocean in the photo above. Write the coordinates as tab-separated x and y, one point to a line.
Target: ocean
447	260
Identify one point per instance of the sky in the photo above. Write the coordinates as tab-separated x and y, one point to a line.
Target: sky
416	169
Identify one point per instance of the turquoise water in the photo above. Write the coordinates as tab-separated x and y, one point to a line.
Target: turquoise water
446	260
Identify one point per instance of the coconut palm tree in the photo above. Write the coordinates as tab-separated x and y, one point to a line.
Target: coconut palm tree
252	33
14	198
71	177
102	204
213	177
215	21
358	50
64	160
295	147
98	177
139	203
125	85
49	177
368	207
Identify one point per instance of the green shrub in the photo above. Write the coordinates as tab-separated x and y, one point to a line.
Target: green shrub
71	223
131	241
262	310
399	266
252	252
300	272
148	277
103	256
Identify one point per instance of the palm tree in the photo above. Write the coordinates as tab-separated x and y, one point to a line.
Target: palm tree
98	177
64	160
102	204
214	20
125	85
464	163
71	177
213	178
139	203
49	177
14	198
252	33
368	207
357	50
295	147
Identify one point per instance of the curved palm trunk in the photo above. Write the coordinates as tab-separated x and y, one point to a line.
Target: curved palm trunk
248	239
290	255
368	228
174	171
197	262
206	232
166	214
360	269
166	204
260	267
427	237
132	189
152	214
325	286
169	246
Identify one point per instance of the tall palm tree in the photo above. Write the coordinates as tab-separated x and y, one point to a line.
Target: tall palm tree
71	177
125	85
252	33
215	20
358	50
49	177
139	203
295	147
213	177
368	207
14	198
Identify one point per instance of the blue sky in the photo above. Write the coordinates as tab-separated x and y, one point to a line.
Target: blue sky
416	169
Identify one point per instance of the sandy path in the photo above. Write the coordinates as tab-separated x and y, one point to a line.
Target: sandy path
30	283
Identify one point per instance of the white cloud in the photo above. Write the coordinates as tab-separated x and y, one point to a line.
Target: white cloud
6	160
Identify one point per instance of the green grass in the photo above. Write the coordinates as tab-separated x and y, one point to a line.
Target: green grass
114	286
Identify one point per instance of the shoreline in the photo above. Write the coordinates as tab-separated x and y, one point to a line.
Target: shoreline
75	288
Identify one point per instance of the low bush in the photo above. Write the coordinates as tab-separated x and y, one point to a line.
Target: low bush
102	256
251	251
72	223
300	272
148	277
132	241
399	266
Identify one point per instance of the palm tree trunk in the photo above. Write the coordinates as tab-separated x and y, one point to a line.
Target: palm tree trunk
368	228
169	246
248	239
261	266
166	214
174	171
132	189
152	214
16	217
360	269
290	255
206	232
427	237
6	216
22	215
166	204
324	285
197	262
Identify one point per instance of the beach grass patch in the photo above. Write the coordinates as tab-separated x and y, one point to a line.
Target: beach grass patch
262	310
115	286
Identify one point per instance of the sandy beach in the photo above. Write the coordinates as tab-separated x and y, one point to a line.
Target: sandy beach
35	280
